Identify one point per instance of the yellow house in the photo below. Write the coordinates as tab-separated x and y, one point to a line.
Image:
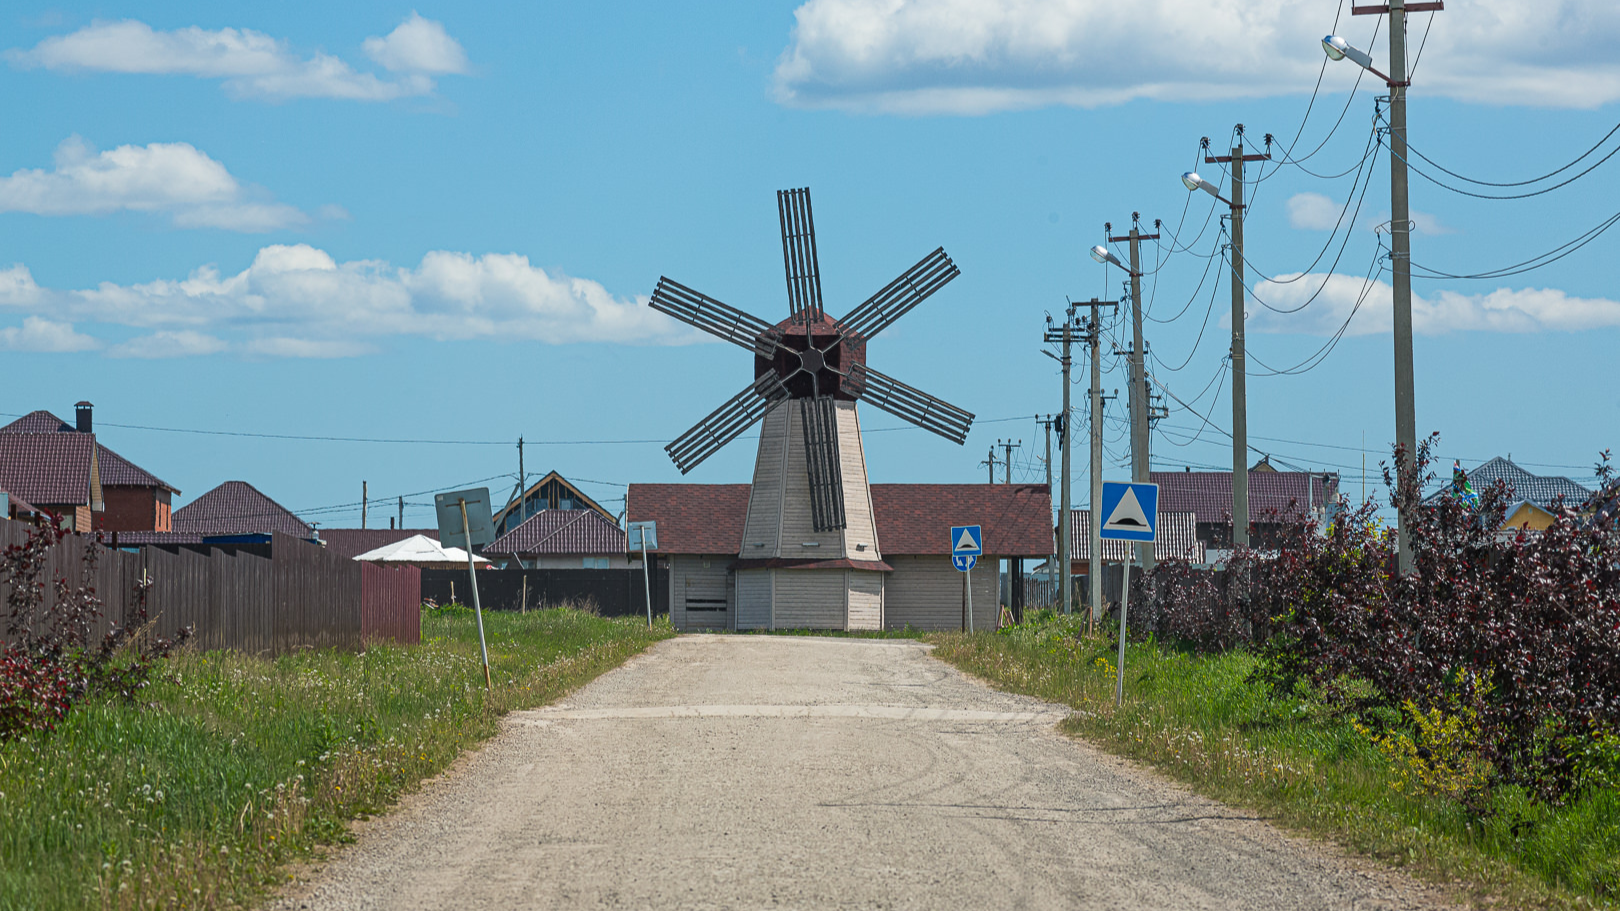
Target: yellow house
1531	498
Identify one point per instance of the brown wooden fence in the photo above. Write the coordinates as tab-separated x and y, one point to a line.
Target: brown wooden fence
298	597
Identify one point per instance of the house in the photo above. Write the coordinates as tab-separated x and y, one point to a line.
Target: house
564	539
352	542
55	472
134	499
550	492
1176	538
701	536
235	512
1273	495
1531	498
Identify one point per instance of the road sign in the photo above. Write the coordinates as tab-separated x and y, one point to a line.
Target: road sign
965	562
480	525
1130	511
643	535
967	540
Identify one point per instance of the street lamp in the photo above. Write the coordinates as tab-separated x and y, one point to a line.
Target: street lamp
1192	181
1101	254
1337	49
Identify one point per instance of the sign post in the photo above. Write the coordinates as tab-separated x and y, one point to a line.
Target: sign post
967	543
644	535
1130	512
465	521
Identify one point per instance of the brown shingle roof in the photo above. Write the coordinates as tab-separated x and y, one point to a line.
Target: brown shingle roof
692	518
563	531
916	519
352	542
1177	538
912	519
1208	494
116	471
237	508
49	469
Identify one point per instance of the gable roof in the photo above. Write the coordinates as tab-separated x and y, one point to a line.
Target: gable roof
238	508
1208	494
579	496
116	471
912	519
350	542
50	469
916	519
692	518
562	531
1538	490
1177	538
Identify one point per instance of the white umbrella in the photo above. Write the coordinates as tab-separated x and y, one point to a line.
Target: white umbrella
422	551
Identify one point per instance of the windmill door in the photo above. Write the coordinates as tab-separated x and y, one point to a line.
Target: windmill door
705	594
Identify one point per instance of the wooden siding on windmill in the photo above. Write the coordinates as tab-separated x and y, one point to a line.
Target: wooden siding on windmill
701	595
762	533
809	599
798	524
865	600
752	607
926	593
861	527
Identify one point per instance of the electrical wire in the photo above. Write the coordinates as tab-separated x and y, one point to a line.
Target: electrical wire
1522	183
1536	262
1509	196
1320	355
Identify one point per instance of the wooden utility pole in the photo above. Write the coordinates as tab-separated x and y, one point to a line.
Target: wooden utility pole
1094	339
401	512
1141	467
1400	249
1240	404
365	498
1006	463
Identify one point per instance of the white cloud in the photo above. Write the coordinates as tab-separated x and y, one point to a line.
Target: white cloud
1510	310
1313	212
169	177
166	343
977	56
418	46
43	335
297	301
253	64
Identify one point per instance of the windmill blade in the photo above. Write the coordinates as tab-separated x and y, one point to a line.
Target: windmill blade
715	317
897	298
799	254
725	423
908	402
819	418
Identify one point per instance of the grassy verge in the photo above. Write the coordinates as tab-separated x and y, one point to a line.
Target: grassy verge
1198	719
239	765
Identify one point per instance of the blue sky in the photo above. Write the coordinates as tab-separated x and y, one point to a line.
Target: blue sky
410	222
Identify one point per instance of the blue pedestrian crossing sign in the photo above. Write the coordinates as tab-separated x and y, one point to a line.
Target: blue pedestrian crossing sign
1130	511
967	540
965	562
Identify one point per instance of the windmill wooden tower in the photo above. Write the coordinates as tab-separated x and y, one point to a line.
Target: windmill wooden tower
810	555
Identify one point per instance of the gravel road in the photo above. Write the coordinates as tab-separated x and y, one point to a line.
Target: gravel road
797	772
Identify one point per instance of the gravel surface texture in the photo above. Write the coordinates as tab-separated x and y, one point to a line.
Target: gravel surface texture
795	772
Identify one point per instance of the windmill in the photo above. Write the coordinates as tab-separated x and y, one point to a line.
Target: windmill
809	371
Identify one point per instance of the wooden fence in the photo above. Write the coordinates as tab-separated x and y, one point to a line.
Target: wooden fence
297	597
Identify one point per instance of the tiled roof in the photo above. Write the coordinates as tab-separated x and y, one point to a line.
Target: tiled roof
692	518
237	508
49	469
131	538
1540	490
912	519
116	471
1208	494
564	531
1177	537
352	542
916	519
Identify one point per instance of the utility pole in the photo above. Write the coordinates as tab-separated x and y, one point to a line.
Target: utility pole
1400	243
1240	404
365	497
1140	466
1065	335
1006	463
401	512
1094	339
991	462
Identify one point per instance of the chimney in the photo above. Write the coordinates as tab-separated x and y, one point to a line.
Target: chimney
81	414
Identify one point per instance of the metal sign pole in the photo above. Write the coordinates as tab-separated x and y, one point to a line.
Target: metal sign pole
970	597
478	611
1124	601
646	576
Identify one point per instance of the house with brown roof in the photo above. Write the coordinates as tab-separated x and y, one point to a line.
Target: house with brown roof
235	512
564	539
133	498
352	542
702	536
550	492
1273	495
1176	538
55	472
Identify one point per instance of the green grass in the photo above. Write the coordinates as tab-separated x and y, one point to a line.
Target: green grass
1199	719
238	765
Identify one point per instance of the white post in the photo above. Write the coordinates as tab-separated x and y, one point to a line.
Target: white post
646	575
970	596
478	611
1124	600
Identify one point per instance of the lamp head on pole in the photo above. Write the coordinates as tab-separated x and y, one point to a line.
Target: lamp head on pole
1102	254
1338	49
1192	181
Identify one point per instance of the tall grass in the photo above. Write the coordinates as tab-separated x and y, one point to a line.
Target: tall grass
238	765
1201	720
